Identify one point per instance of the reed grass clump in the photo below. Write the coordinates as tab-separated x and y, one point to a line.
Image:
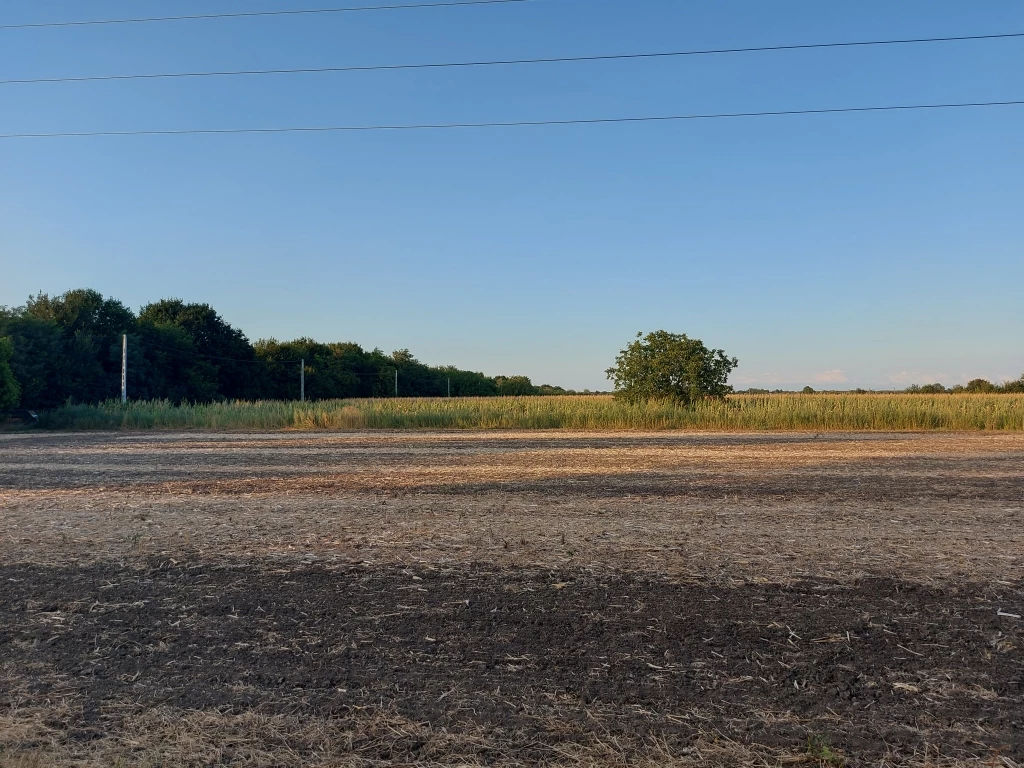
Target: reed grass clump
818	412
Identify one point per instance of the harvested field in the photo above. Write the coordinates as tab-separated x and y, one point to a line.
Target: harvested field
492	598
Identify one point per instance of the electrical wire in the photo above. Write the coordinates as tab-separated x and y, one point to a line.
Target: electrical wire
510	124
251	14
389	370
381	376
497	62
181	351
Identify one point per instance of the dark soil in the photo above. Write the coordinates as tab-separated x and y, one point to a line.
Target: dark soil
876	668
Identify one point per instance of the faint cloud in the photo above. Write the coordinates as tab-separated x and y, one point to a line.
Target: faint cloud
761	378
917	377
831	377
835	376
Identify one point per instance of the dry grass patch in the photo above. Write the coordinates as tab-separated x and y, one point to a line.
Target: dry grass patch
166	738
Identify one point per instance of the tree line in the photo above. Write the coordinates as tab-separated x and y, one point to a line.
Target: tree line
67	348
974	386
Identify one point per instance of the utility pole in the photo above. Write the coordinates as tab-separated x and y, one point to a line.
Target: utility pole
302	379
449	387
396	382
124	368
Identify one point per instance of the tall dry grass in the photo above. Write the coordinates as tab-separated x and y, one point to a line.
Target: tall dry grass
821	412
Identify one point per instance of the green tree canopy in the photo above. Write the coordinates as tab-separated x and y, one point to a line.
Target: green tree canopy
1013	387
83	310
514	386
467	383
163	363
89	367
38	360
68	348
671	366
226	349
10	392
980	386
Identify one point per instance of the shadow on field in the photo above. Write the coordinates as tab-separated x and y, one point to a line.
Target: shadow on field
875	481
772	466
531	661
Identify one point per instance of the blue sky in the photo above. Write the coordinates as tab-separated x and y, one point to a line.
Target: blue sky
839	251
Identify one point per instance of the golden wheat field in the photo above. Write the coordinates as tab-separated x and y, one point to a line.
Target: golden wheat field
823	412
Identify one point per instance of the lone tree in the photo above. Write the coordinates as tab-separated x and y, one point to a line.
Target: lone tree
671	366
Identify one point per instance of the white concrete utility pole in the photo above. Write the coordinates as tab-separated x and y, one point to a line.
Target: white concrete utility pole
124	368
302	380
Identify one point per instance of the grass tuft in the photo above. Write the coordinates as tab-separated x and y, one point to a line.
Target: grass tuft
820	749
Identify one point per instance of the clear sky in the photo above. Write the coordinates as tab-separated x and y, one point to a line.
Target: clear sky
847	250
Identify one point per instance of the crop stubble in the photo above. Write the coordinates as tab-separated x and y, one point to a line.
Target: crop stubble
274	599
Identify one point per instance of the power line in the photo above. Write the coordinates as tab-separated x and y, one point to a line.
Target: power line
375	376
510	124
504	62
251	14
193	353
387	371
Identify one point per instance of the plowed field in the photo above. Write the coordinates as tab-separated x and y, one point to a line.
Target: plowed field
491	598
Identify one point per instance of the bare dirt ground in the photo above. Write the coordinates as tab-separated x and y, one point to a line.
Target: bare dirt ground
507	598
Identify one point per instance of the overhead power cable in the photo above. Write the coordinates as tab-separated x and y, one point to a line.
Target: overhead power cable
252	14
376	376
193	353
503	62
180	351
510	124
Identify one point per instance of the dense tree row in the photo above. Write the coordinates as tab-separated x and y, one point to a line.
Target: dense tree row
974	386
68	348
